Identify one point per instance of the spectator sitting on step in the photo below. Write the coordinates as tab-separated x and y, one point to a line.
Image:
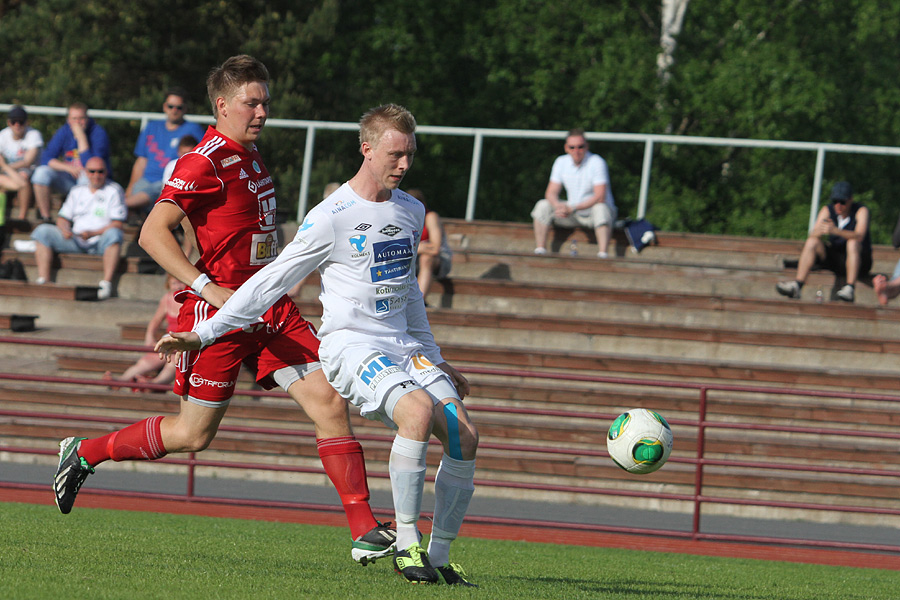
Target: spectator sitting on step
89	221
166	316
20	148
885	289
839	242
64	159
435	259
589	199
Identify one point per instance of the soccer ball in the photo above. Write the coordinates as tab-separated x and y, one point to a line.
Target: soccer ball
639	441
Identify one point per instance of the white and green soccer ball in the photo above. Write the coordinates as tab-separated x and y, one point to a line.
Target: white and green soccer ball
639	441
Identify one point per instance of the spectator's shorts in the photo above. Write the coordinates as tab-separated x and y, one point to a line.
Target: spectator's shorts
593	217
50	236
151	188
836	260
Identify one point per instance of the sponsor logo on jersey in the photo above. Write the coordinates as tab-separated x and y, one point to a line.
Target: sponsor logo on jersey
230	161
390	230
391	289
267	211
386	305
305	225
181	184
363	227
263	248
243	174
342	205
358	242
256	167
390	270
200	381
415	236
392	250
374	368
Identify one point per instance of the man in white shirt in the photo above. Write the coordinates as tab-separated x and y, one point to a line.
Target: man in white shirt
589	200
20	147
377	349
89	221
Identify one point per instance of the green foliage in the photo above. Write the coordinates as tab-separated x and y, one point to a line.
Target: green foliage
796	70
103	554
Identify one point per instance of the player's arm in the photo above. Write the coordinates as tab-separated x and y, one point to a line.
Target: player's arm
162	245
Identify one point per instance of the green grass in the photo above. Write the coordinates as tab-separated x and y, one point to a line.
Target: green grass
99	554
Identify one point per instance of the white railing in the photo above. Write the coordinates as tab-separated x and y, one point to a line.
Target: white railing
478	134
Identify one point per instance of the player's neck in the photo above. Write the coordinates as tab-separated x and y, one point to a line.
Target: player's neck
367	189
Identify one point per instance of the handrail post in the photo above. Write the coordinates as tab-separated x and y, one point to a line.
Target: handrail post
645	178
305	173
473	176
817	187
698	472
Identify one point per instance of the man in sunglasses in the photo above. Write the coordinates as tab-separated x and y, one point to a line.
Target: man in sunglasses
589	200
156	146
839	242
89	221
20	147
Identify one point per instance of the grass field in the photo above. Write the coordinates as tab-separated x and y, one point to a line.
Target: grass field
97	554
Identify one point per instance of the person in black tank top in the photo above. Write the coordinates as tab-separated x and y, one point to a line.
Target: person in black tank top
839	241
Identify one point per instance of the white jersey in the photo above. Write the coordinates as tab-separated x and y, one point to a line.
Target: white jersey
14	150
365	252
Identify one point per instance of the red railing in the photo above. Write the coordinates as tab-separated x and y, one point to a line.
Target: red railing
699	460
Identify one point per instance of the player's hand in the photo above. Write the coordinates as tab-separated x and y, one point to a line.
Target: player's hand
171	345
216	295
461	383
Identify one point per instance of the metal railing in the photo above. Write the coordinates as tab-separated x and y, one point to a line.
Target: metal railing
690	471
478	135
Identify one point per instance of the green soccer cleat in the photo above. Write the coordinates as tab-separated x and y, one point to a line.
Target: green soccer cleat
378	542
413	564
453	574
70	474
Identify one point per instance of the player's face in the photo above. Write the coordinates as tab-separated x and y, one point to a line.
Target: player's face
174	108
391	158
243	116
576	147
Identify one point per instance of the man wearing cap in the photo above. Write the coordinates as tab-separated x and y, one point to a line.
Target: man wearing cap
65	156
839	242
20	146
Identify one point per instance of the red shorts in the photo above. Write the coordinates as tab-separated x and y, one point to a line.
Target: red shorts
284	339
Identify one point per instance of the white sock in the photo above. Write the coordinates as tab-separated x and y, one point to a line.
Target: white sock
453	489
407	470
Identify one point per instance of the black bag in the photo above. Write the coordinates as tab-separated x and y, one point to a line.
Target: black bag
13	269
640	234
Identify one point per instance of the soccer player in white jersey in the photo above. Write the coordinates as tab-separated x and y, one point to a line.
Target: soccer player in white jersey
376	347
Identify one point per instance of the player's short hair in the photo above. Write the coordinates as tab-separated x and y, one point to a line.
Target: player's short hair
224	80
577	131
176	90
188	140
78	105
376	121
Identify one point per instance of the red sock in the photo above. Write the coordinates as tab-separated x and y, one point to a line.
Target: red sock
343	460
141	441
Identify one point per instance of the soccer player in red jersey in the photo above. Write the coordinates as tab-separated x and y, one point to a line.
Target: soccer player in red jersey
223	188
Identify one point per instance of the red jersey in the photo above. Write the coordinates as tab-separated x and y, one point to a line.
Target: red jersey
229	198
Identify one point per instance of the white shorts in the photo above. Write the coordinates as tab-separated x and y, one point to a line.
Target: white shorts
373	373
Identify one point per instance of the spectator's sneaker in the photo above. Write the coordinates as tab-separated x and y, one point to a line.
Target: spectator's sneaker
104	290
791	289
413	564
846	293
70	474
540	251
380	541
453	574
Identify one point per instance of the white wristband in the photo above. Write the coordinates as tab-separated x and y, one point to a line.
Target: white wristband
198	284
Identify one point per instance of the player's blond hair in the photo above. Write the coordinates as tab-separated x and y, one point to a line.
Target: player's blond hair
377	120
223	81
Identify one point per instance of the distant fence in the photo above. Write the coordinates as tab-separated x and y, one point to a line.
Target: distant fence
693	465
478	135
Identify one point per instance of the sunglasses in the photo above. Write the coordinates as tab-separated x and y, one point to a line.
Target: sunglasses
95	171
175	106
581	147
839	201
16	121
